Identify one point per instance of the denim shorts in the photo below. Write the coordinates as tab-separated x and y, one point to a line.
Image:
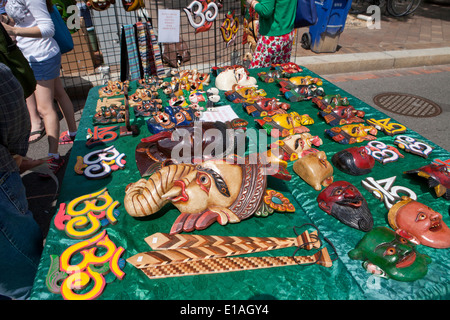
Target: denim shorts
48	69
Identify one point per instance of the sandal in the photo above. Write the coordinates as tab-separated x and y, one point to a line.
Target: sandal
54	165
41	134
65	138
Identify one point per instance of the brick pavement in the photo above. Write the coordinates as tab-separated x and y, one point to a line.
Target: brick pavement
428	27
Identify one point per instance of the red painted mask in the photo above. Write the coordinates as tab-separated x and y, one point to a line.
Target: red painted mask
355	161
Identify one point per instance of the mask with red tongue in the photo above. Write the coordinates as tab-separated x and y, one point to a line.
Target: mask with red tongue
343	201
419	223
386	254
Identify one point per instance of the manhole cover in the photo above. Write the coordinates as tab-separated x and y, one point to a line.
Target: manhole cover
407	105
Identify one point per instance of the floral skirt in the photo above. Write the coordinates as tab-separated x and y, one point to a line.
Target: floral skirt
272	49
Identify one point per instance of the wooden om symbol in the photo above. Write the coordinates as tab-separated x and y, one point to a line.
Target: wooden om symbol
206	12
229	28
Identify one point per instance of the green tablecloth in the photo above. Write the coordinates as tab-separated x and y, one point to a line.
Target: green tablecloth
346	279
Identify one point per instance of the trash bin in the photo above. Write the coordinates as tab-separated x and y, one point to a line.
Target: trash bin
324	35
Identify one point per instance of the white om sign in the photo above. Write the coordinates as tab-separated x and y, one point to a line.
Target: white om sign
206	12
384	190
100	163
410	144
382	152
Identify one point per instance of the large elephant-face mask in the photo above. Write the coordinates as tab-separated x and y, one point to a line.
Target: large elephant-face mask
211	191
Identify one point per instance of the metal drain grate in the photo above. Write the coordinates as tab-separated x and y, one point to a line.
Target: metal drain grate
407	105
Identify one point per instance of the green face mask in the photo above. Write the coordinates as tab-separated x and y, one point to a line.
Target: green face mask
386	254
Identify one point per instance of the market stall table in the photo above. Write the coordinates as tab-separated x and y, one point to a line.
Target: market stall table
345	279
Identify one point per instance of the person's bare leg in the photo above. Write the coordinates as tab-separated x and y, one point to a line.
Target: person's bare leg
36	121
65	104
44	99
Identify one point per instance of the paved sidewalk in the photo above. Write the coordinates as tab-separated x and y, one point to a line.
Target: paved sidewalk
388	73
417	40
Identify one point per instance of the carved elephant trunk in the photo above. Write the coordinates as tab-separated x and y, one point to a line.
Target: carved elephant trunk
145	197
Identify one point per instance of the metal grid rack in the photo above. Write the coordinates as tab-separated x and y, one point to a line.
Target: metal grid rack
96	56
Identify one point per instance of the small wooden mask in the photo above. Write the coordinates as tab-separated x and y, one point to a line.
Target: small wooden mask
315	169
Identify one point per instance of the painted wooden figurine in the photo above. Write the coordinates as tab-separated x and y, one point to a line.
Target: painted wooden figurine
239	95
188	79
196	99
305	80
109	111
352	133
170	118
152	83
339	114
263	107
270	76
288	68
387	255
113	88
283	125
145	101
132	5
295	93
215	190
438	177
142	94
148	108
333	100
278	71
292	148
197	80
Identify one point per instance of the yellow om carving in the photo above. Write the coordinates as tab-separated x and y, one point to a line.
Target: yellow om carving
229	28
84	214
81	274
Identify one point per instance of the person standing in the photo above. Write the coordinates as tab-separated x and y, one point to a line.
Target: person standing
33	30
276	31
21	240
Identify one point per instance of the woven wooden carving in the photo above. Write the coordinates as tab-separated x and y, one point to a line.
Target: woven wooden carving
218	265
160	241
180	255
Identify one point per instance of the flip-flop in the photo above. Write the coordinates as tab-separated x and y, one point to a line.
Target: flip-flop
41	134
65	138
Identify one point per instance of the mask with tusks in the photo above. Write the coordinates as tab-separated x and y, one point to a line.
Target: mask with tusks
214	190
